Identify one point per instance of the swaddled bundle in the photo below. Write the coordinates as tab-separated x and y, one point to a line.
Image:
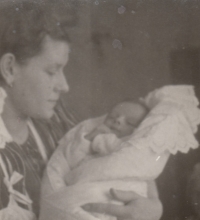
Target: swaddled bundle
76	175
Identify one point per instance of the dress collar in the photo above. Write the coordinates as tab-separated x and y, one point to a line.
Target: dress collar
5	137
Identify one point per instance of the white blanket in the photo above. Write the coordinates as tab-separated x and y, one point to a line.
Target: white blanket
168	128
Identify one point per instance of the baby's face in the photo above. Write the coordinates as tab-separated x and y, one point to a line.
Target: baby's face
124	118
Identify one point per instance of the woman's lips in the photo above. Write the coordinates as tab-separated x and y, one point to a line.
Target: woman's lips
54	102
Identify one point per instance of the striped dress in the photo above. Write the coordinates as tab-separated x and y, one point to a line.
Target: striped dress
27	160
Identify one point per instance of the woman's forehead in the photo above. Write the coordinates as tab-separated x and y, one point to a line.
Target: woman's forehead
54	51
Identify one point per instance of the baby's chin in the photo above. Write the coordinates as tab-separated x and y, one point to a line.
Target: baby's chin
118	134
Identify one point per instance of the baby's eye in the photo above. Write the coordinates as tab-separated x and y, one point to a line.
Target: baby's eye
51	73
131	123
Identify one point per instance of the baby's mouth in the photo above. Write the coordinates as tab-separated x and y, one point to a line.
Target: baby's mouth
115	130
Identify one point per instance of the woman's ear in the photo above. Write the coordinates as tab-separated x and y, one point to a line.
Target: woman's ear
7	63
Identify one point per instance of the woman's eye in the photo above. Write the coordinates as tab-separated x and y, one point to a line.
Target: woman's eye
111	116
110	120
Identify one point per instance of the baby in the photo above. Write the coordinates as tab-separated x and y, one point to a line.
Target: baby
106	136
122	150
120	123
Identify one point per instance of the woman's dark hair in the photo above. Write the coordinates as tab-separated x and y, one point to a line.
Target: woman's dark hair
25	23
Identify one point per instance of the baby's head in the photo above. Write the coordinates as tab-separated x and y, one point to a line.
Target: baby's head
125	117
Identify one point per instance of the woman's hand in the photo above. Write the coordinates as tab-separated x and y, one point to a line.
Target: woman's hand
135	207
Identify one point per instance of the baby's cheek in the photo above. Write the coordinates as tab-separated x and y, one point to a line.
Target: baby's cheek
108	123
129	130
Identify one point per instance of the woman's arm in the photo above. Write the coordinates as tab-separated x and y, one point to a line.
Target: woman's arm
152	190
135	207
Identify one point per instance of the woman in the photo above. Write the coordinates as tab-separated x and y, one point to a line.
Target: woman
34	49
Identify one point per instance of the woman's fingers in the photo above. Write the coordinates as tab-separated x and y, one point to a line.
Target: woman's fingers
118	211
124	196
136	207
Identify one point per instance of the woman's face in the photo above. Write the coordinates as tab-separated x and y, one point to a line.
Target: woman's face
39	82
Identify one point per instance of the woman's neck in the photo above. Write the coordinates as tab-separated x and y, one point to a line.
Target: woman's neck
15	123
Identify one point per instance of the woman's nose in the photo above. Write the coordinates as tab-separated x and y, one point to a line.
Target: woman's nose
62	85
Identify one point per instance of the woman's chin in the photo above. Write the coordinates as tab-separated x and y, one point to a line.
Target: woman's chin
45	115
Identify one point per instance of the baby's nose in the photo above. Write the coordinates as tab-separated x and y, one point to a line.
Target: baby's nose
119	120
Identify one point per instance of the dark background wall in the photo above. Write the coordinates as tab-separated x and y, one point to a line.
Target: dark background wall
121	49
